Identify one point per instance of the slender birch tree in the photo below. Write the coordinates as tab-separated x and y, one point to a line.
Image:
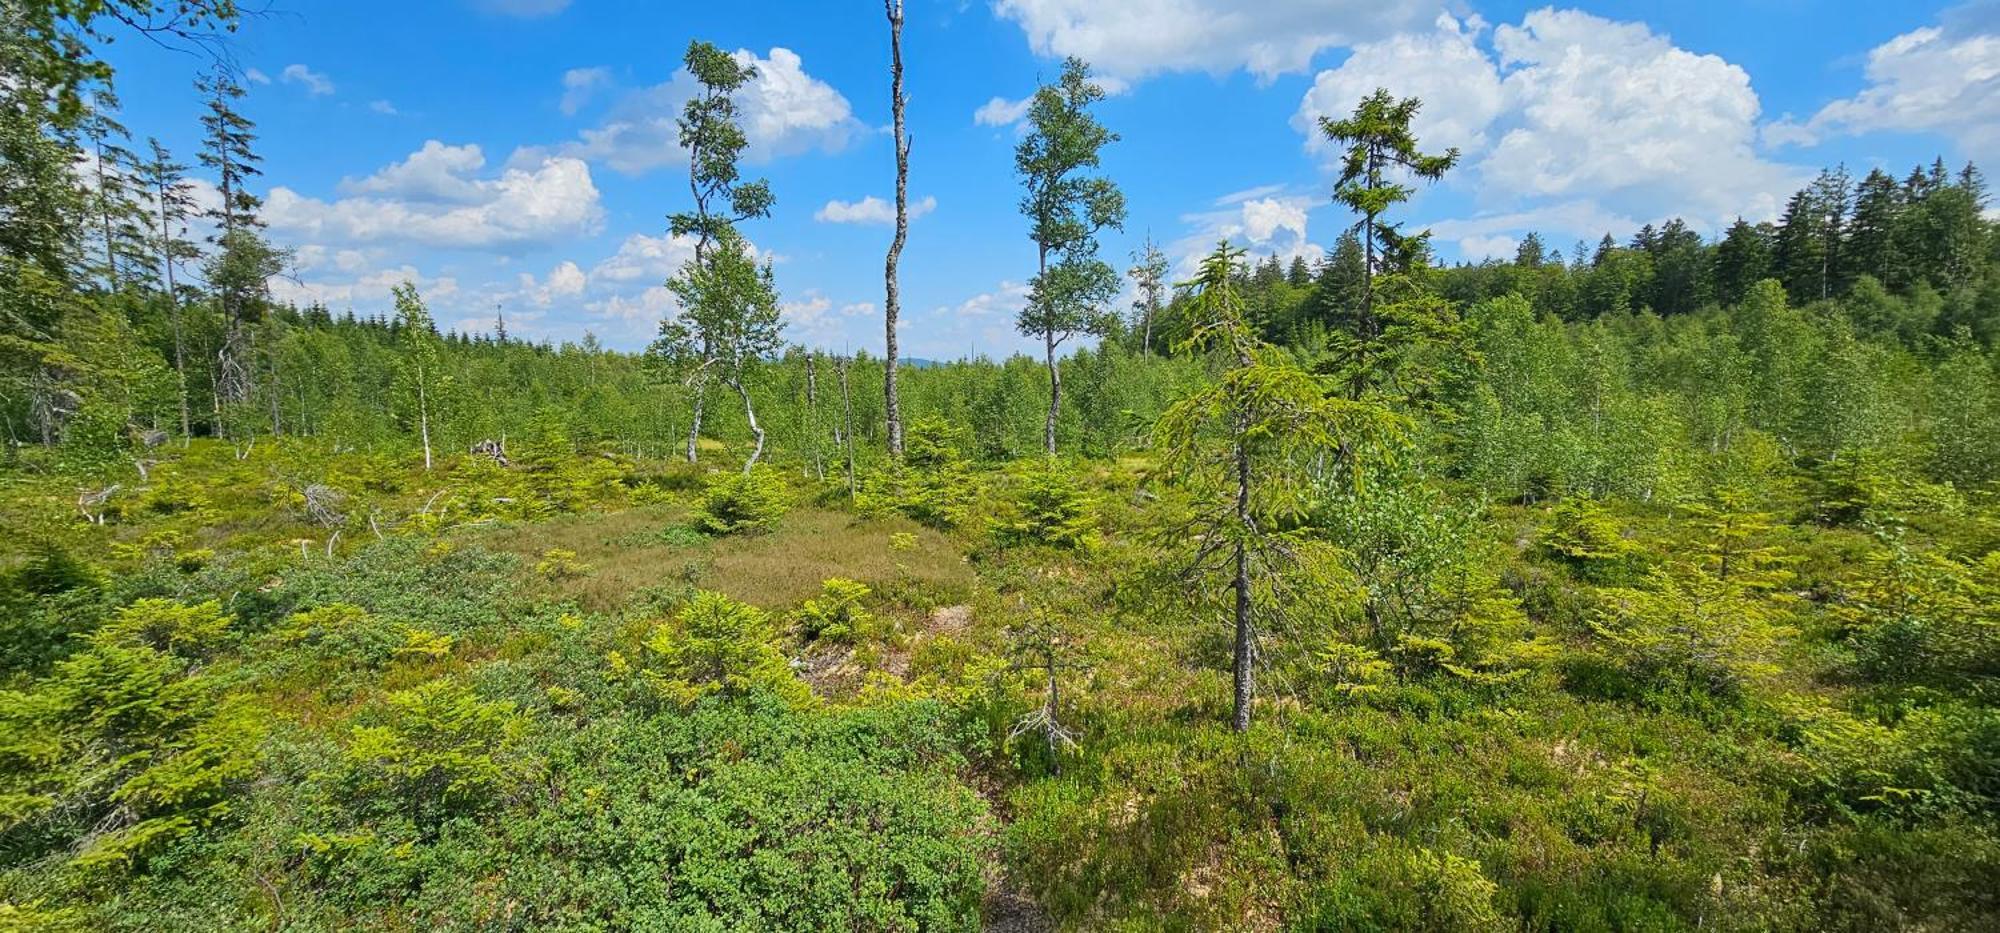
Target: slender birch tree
421	379
1066	209
713	137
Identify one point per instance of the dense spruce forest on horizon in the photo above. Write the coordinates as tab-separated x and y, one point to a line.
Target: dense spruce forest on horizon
1646	584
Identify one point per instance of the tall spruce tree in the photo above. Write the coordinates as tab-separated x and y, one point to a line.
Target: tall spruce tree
118	222
172	197
1244	444
242	263
1871	231
1807	253
1396	313
1742	259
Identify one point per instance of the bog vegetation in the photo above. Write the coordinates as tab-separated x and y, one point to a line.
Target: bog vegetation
1648	586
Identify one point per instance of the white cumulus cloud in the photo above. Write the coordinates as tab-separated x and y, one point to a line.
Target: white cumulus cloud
870	210
784	112
1264	221
1002	112
1136	38
1570	119
316	83
579	85
1444	67
436	197
1941	79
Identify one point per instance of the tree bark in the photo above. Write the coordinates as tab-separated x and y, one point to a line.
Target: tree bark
750	413
1052	733
812	418
892	300
1049	343
424	419
104	212
694	427
1246	650
174	310
847	427
1055	393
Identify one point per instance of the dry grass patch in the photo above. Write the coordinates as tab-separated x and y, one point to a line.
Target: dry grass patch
626	551
787	565
622	552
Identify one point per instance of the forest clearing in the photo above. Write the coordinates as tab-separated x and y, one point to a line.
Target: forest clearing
1651	585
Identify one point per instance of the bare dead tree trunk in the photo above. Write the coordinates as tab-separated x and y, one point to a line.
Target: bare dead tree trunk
892	302
276	388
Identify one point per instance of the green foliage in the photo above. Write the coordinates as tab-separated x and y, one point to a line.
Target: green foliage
50	569
752	815
126	745
1049	507
1431	590
1245	447
560	564
1583	535
716	645
1066	208
931	484
1742	491
336	636
168	627
1921	617
423	384
736	503
836	614
1692	624
435	750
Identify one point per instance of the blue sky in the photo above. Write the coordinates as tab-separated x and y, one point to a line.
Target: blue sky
519	154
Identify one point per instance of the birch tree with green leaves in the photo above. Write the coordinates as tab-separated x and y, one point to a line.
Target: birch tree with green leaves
728	324
729	306
421	376
1066	208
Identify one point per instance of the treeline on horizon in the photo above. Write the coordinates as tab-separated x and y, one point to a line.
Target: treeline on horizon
119	326
1884	293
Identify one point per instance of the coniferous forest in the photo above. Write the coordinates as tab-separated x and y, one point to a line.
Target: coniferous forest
1639	584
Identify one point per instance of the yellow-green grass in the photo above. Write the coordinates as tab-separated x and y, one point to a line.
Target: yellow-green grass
624	552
